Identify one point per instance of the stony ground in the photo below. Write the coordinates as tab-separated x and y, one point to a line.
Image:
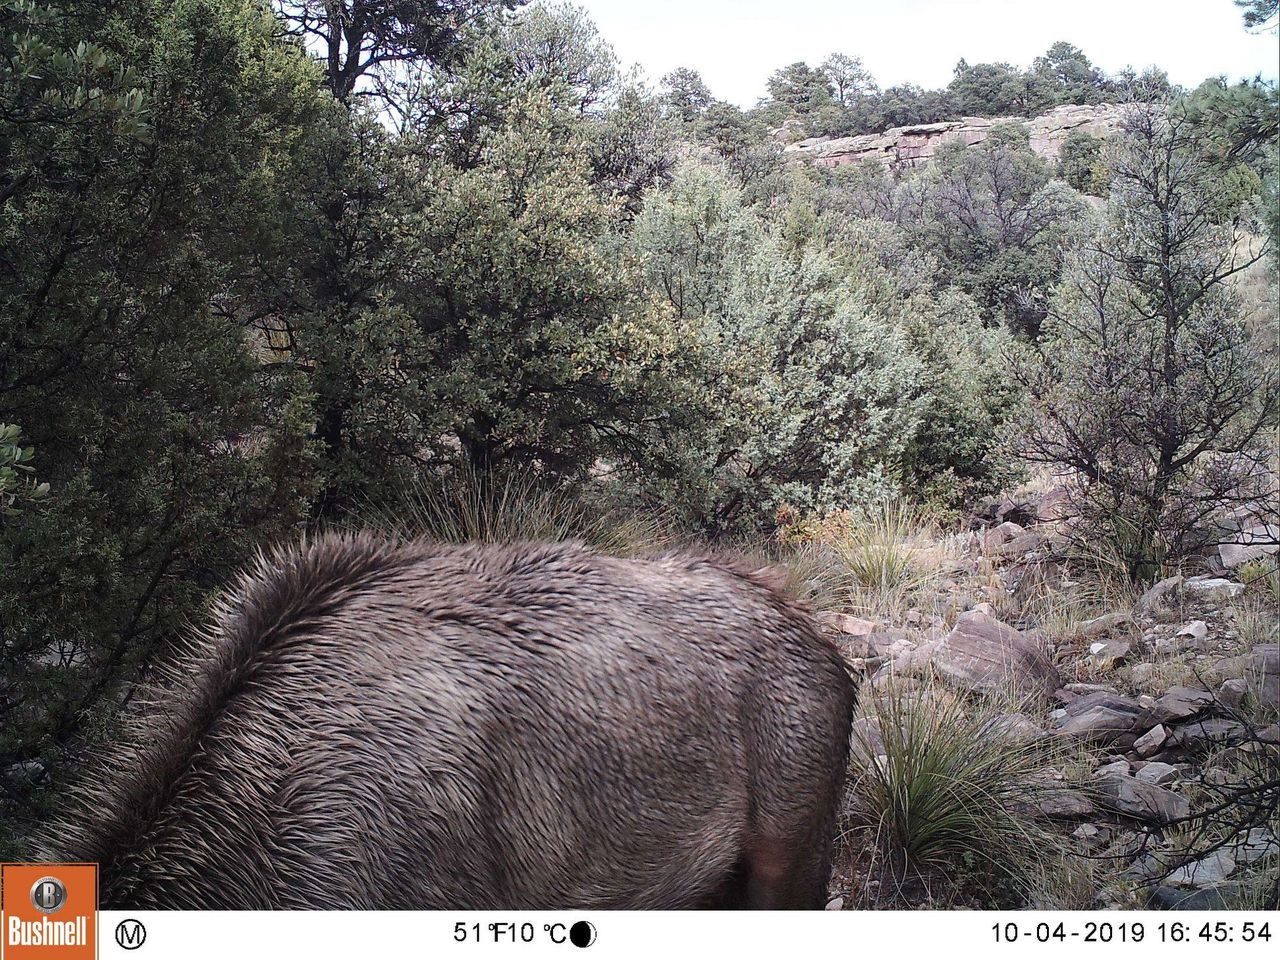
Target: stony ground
1160	704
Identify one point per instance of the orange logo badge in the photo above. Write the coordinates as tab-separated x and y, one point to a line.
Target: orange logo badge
49	911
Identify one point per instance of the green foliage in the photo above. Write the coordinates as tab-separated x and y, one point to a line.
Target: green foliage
1150	387
17	485
685	94
557	47
538	347
996	221
800	87
1259	15
1081	166
363	39
136	172
829	361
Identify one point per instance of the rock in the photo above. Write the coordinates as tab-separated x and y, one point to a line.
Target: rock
1196	629
1252	544
865	741
1019	546
1157	772
1232	693
1065	804
1254	845
1141	800
1221	897
1108	652
983	654
1213	588
1259	668
1179	704
1205	872
915	144
848	625
835	904
1103	624
1199	736
1099	718
1158	593
1092	835
1150	742
1116	768
1002	534
1016	728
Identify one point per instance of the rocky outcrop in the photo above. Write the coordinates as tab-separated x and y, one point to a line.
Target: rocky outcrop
914	145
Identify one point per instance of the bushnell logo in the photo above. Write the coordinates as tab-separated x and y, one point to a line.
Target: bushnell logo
48	895
48	911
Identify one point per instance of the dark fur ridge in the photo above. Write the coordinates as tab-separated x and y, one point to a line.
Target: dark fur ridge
369	724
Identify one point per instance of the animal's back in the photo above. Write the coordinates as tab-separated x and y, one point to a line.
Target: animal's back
419	726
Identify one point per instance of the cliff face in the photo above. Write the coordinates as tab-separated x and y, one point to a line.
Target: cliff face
910	146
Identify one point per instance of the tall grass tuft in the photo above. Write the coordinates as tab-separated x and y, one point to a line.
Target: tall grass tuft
949	804
466	506
880	552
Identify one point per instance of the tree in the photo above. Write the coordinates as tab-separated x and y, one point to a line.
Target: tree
830	372
685	94
1149	388
558	47
18	487
850	79
1080	164
993	217
800	87
138	171
998	89
1259	15
536	350
356	37
1068	76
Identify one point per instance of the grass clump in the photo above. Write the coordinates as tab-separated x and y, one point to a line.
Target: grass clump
466	506
945	798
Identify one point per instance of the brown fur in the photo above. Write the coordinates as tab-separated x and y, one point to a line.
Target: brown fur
370	724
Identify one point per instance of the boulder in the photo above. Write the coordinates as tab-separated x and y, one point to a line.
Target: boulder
1019	546
1213	588
848	625
1232	693
1179	704
1141	800
1248	545
1158	593
1065	804
983	654
1199	736
1109	652
1196	629
1099	718
1153	771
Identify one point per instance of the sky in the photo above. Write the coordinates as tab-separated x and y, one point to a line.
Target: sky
736	44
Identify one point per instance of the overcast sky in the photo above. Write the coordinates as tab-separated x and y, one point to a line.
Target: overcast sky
736	44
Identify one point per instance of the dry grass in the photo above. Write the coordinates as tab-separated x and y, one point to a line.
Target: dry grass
890	556
466	506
